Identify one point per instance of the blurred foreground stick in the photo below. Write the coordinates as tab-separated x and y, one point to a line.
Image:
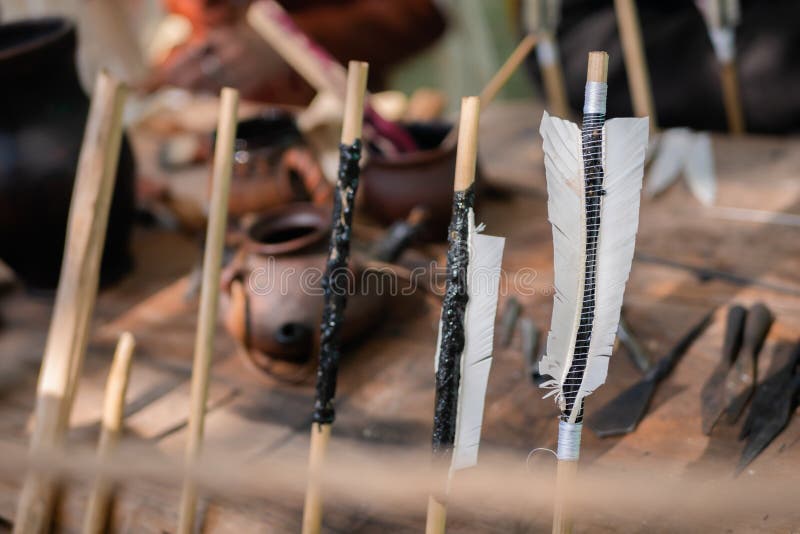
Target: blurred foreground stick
75	297
94	521
319	68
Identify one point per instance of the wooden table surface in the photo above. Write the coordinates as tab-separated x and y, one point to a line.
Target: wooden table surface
385	395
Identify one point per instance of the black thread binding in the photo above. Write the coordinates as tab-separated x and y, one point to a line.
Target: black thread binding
592	148
335	282
448	374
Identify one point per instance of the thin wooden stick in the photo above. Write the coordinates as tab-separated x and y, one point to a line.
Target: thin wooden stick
209	296
597	67
566	475
466	157
312	509
76	294
320	431
508	68
436	518
553	76
497	82
467	142
113	408
630	34
732	98
353	121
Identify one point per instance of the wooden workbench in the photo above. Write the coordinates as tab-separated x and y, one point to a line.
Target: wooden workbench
385	394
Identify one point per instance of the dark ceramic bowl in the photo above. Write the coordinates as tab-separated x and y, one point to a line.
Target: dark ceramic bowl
393	186
43	113
273	166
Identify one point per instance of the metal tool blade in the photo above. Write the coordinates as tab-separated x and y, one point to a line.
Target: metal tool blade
784	406
764	400
623	413
712	396
530	342
509	321
741	380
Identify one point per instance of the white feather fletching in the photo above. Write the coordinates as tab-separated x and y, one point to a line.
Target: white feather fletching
682	150
669	159
699	169
625	143
483	280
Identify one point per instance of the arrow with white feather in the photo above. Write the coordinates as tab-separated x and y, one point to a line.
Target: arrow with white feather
594	179
541	19
466	328
722	17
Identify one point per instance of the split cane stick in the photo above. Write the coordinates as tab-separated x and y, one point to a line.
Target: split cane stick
630	34
209	296
113	407
75	297
334	302
497	82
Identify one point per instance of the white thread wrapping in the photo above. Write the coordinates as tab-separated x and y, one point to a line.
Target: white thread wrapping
595	97
546	52
569	441
724	43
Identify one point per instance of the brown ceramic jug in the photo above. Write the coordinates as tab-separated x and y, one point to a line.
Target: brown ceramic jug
272	297
274	166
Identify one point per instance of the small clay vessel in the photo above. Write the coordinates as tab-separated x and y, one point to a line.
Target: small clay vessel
43	114
273	166
393	186
271	292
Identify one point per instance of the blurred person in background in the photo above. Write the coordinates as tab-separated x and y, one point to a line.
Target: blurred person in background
224	50
202	45
684	72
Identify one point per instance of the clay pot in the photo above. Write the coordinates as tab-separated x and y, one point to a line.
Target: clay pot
393	186
273	166
43	113
272	298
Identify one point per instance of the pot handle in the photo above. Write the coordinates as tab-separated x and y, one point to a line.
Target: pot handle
301	162
234	271
238	317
